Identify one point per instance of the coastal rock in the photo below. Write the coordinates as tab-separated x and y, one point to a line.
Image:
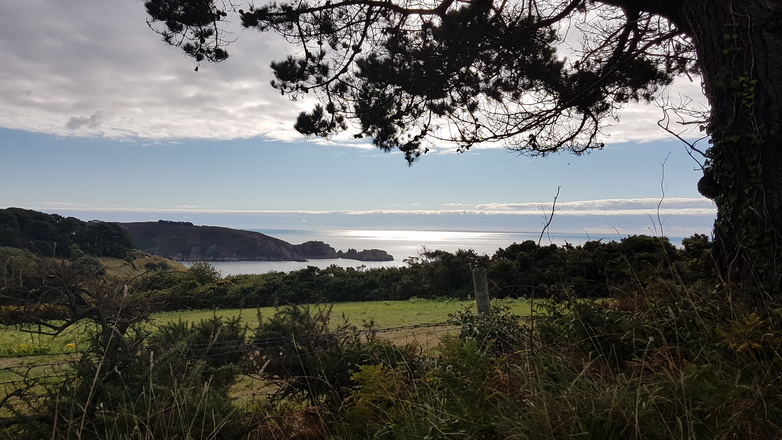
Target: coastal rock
366	255
316	250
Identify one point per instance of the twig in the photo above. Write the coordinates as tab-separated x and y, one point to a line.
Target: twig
551	217
660	221
665	124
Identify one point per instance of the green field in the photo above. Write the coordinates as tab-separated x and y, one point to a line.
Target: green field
385	314
24	352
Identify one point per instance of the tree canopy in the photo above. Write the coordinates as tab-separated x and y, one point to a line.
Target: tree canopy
464	72
537	75
53	235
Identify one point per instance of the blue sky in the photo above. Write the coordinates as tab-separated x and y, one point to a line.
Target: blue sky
102	120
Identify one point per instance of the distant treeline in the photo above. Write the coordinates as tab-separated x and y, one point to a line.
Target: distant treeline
594	269
52	235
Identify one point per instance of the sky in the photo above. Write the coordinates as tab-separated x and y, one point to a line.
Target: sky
101	120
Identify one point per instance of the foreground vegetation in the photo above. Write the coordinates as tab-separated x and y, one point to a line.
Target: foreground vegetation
17	342
667	353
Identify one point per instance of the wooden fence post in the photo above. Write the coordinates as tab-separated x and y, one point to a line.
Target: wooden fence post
481	287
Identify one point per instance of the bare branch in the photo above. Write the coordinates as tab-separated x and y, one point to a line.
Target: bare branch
550	218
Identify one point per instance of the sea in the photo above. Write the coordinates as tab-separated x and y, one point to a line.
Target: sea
402	245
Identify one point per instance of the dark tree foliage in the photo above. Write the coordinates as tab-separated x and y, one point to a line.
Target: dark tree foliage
538	75
492	72
45	234
193	25
106	240
52	235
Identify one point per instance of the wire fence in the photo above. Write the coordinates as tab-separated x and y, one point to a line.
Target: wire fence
40	369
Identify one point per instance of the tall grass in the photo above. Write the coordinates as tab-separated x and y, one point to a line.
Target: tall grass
663	359
662	363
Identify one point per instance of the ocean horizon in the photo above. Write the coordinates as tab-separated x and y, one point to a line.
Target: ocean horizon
401	244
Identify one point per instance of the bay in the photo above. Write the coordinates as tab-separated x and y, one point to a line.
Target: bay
401	244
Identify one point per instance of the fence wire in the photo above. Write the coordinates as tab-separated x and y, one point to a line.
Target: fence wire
40	369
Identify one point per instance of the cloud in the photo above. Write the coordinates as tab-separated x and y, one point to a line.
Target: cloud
66	205
631	206
189	208
602	207
77	122
101	55
639	122
608	224
605	207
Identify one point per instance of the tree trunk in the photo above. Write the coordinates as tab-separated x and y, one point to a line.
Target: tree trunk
739	45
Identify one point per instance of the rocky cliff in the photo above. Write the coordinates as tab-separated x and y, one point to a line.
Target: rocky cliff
366	255
183	241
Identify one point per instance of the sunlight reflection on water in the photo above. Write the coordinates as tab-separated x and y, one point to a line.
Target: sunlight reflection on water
421	236
400	244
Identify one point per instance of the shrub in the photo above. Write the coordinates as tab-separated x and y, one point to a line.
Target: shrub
90	266
218	342
308	356
203	273
497	332
174	388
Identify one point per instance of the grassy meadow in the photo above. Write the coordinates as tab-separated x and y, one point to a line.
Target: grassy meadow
15	342
24	352
384	314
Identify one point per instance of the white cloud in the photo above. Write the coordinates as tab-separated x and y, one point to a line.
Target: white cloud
606	207
100	59
77	122
65	205
93	68
638	122
633	206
